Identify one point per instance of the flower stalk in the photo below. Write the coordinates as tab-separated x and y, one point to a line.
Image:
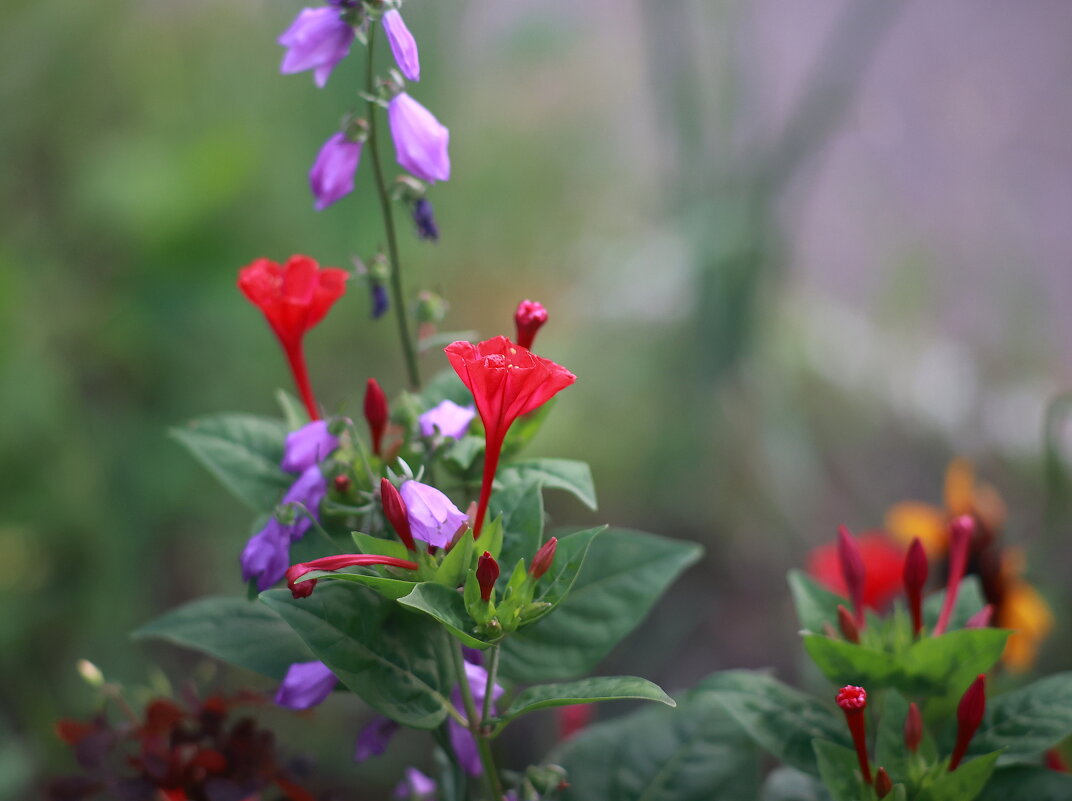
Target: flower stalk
475	723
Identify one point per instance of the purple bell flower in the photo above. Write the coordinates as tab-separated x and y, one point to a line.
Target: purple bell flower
305	685
309	490
420	140
449	418
432	516
332	174
374	738
318	39
403	46
424	219
309	445
266	556
415	787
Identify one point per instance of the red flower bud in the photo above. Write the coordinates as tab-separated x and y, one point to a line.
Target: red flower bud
394	509
970	713
541	562
487	573
329	563
915	577
852	571
853	701
293	298
883	784
1054	761
529	318
342	483
847	625
960	534
913	728
376	412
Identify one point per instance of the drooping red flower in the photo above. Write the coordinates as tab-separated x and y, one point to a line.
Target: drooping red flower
882	561
507	381
294	298
329	563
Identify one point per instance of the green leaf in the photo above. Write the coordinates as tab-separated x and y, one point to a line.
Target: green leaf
451	571
566	474
814	603
243	452
445	385
389	656
970	599
839	770
461	454
525	429
1027	783
234	630
781	719
622	578
447	606
570	554
521	508
691	753
294	412
949	662
585	691
789	784
1027	721
846	663
368	544
963	784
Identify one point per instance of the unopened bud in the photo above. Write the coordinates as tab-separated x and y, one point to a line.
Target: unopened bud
376	413
847	625
529	318
394	509
913	728
853	701
883	785
487	573
342	483
960	535
90	673
852	571
424	219
914	576
970	713
541	562
305	588
981	619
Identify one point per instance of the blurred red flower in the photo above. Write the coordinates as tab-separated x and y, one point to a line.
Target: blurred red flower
883	562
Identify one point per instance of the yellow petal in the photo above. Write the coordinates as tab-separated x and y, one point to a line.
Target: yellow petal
959	487
910	519
1031	619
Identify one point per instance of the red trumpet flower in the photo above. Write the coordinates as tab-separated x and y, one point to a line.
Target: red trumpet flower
293	298
305	589
507	381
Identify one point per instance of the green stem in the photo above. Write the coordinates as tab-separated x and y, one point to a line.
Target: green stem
483	745
398	296
489	691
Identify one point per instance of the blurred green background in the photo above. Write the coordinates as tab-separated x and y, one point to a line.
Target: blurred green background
799	255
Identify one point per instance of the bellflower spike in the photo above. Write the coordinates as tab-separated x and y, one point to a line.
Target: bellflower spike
420	140
318	39
448	418
332	174
305	685
309	445
266	555
432	516
293	298
374	738
403	46
507	381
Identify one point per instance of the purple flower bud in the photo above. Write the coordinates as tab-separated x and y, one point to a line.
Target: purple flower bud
318	39
305	685
266	556
332	174
449	418
309	445
415	785
308	490
420	140
424	219
380	303
374	738
432	516
403	47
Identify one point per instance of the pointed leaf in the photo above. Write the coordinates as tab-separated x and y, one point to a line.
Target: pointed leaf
839	770
814	603
585	691
566	474
846	663
970	599
963	784
936	664
448	607
1027	783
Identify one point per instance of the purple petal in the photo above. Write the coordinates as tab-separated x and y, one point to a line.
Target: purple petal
415	785
403	46
465	748
305	685
318	39
374	738
432	516
309	445
309	490
420	140
266	556
332	174
478	682
451	419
